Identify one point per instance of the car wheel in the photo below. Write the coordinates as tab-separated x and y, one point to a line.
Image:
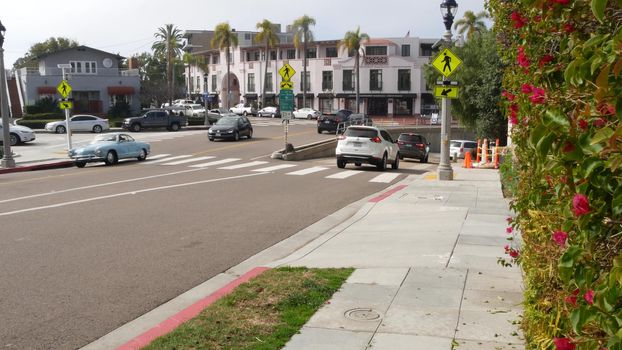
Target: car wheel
309	116
97	129
357	164
396	162
250	134
60	129
425	159
80	164
383	163
210	138
174	127
135	127
319	131
341	163
236	136
142	155
111	158
14	139
245	114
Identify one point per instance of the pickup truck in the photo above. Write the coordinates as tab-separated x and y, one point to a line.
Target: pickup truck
240	109
155	118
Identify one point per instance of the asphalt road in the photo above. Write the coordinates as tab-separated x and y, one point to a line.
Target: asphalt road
84	251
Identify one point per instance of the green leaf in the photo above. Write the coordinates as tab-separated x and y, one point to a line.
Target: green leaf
544	145
596	63
616	203
602	135
598	8
555	119
590	165
579	317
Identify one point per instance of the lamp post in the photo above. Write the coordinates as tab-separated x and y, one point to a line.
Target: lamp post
445	172
7	158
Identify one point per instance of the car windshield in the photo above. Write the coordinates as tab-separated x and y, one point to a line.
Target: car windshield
410	138
104	138
356	132
457	144
227	121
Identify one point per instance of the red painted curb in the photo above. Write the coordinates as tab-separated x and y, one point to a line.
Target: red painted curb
387	194
62	164
188	313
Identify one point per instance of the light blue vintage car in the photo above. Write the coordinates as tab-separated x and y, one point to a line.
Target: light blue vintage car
109	148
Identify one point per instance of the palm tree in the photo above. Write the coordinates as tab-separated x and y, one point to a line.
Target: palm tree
352	42
266	34
471	23
225	38
304	34
198	61
168	45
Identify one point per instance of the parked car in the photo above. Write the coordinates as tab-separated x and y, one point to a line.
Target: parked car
413	146
231	127
79	122
240	109
109	148
272	112
367	144
360	119
17	134
194	110
214	114
331	123
462	147
155	118
306	113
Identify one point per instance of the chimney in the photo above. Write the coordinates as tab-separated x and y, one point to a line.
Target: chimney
132	63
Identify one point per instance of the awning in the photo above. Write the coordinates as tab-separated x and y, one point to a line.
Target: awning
378	95
268	95
250	95
309	94
120	90
46	90
326	95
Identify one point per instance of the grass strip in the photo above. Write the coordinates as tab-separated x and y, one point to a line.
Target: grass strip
261	314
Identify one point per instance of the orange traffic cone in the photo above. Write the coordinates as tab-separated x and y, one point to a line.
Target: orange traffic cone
477	158
496	157
467	160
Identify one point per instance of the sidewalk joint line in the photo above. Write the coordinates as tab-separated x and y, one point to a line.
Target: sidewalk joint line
461	300
457	238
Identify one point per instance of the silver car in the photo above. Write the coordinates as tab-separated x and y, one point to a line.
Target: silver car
18	134
79	122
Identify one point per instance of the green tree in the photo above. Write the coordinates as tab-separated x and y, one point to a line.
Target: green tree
225	38
302	33
267	35
170	45
152	72
471	23
38	49
352	42
196	60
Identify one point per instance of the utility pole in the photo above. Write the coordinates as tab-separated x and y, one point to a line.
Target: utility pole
67	126
7	158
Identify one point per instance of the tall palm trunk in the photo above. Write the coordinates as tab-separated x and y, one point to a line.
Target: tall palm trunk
358	86
228	81
265	81
304	75
169	73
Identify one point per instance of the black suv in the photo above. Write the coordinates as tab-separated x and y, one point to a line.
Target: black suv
413	146
360	119
330	123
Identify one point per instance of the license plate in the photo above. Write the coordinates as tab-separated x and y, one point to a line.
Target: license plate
327	122
357	144
217	133
408	145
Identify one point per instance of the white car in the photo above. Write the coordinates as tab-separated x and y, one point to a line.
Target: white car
18	134
367	144
193	110
459	148
271	112
79	122
240	109
306	113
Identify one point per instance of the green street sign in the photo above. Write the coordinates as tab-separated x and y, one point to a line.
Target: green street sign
286	100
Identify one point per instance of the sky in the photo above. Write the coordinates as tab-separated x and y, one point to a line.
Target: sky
127	27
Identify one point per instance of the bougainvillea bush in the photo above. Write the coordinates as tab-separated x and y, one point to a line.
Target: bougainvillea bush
563	97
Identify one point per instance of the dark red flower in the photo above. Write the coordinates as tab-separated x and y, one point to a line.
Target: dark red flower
560	238
537	19
568	147
544	60
518	21
583	124
522	58
606	109
514	253
508	95
580	204
563	344
561	2
509	219
514	108
509	229
589	296
538	96
599	122
571	299
526	89
568	28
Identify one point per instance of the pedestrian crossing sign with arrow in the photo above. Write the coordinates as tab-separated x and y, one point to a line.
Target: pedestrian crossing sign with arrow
65	105
446	91
446	62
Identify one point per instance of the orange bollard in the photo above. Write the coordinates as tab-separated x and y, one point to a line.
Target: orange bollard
467	160
496	155
477	158
484	152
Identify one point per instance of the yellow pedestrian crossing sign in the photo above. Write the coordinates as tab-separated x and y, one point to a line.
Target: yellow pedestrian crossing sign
64	88
446	62
287	85
446	91
65	105
287	72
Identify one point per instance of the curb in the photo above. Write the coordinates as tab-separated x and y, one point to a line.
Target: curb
44	166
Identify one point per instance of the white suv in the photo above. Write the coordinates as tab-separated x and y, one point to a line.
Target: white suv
367	144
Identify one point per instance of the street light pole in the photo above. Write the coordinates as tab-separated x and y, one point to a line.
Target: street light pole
445	172
7	158
67	126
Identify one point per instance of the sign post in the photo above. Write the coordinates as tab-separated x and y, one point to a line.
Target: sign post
286	97
64	89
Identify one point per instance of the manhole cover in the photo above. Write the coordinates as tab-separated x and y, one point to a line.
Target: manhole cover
362	314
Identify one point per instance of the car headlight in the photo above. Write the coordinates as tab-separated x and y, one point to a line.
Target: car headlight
98	152
210	131
229	131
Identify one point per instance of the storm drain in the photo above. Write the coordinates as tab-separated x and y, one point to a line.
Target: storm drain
362	314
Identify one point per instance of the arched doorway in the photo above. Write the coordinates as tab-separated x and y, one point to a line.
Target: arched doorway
235	91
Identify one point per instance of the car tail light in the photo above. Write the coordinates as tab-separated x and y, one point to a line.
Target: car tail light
376	139
400	142
421	145
341	137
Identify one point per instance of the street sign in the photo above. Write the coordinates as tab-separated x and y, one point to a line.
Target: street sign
287	115
287	85
446	62
287	72
286	101
64	88
65	105
446	91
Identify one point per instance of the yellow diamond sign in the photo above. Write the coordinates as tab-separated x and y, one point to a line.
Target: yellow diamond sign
64	88
446	91
287	72
287	85
446	62
65	105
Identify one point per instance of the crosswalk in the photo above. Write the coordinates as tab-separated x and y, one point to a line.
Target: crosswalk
259	166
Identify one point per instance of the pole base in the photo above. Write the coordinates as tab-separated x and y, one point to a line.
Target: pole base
7	163
445	174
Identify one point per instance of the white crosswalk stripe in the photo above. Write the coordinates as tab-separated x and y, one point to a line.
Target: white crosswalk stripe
274	168
158	156
216	162
344	174
162	160
243	165
312	170
385	178
191	160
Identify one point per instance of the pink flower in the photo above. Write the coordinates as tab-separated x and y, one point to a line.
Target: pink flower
508	95
599	122
560	238
518	21
561	2
509	229
526	89
545	60
522	58
571	299
589	296
568	147
513	119
514	253
538	96
580	204
563	344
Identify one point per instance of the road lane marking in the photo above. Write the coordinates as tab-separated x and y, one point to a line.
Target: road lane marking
276	167
217	162
168	159
191	160
129	193
158	156
243	165
385	178
344	174
311	170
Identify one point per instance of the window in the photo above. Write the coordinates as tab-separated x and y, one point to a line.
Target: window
406	50
375	79
348	81
291	54
273	55
327	80
326	105
376	50
426	50
307	81
83	67
403	79
198	86
312	53
269	85
256	56
247	36
331	52
251	82
214	80
215	59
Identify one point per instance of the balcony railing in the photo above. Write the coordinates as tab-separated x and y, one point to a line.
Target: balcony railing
376	60
99	72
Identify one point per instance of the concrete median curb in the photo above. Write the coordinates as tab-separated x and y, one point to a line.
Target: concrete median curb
38	166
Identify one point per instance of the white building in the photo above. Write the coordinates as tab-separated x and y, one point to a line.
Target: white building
391	78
